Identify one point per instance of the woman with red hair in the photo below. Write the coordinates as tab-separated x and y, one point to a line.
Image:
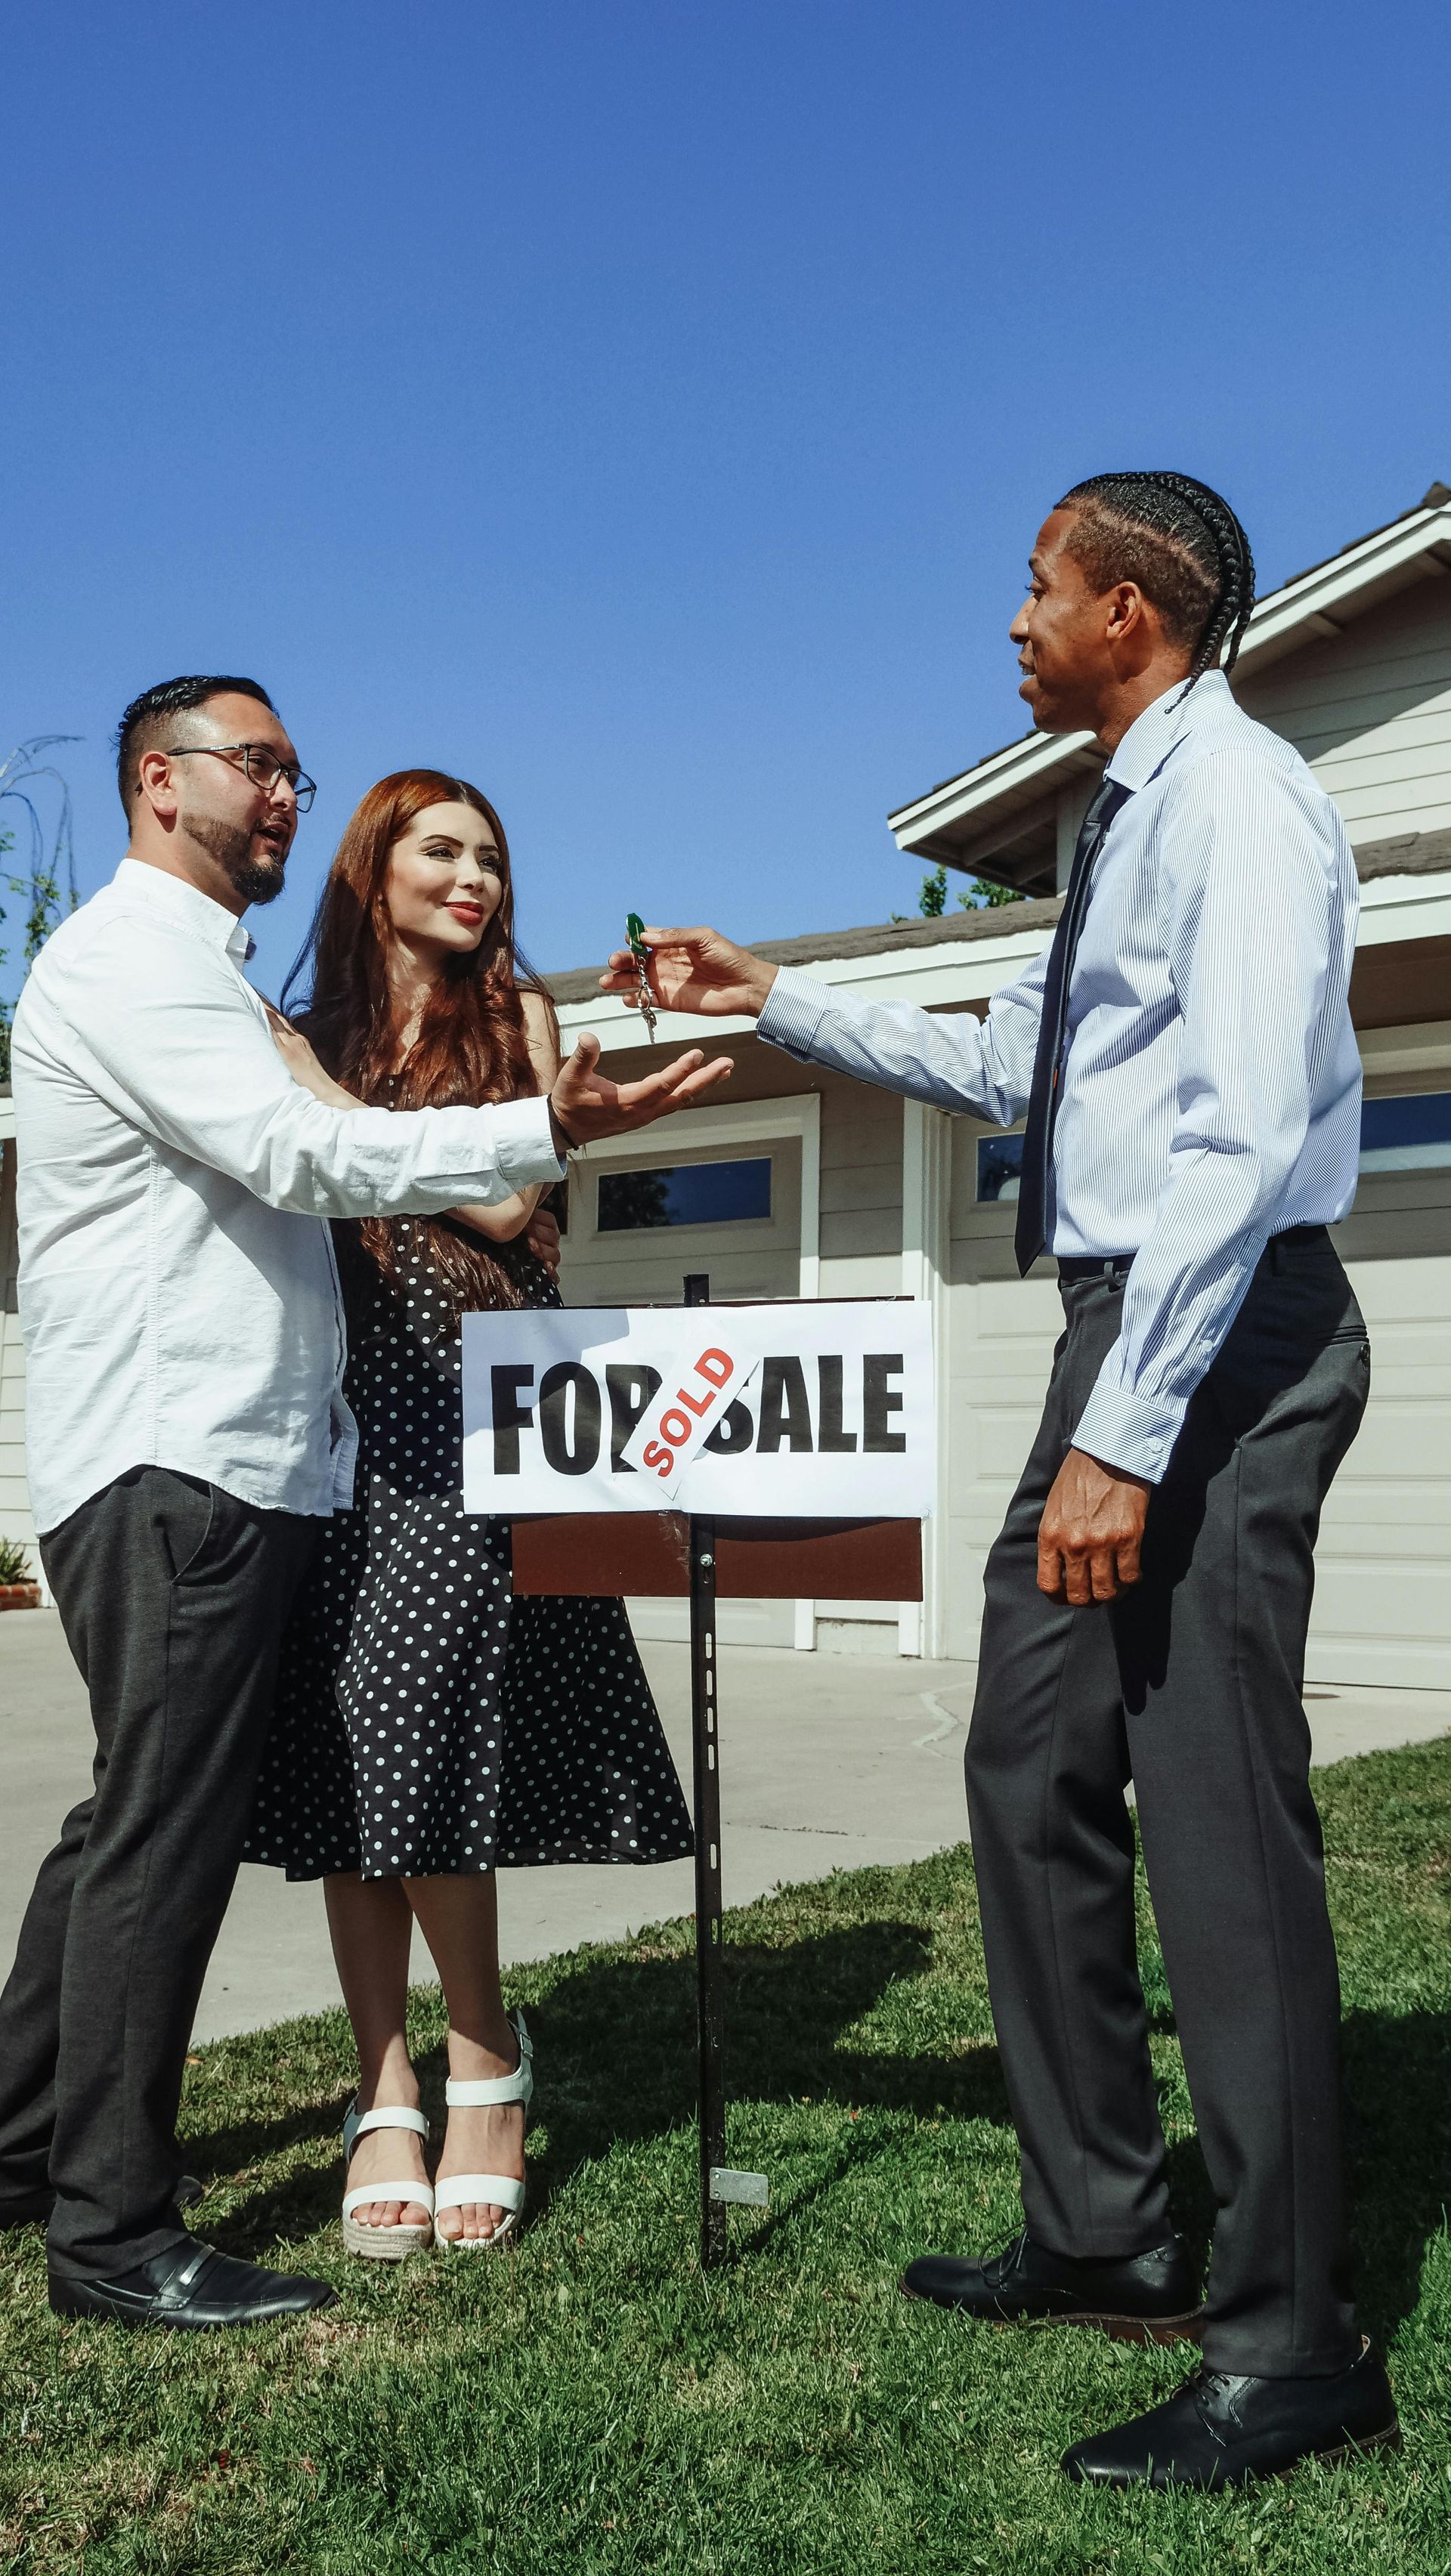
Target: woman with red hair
430	1729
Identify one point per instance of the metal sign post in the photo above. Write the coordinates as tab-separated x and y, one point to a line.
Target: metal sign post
719	2183
709	1929
705	1557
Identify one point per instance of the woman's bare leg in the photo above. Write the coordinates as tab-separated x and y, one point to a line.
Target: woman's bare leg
459	1919
371	1924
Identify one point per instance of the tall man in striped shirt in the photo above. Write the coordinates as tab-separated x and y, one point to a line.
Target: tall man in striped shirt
1191	1085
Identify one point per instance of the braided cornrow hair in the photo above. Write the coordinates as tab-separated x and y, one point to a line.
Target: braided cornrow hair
1181	542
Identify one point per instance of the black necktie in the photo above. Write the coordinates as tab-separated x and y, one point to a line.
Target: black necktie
1047	1063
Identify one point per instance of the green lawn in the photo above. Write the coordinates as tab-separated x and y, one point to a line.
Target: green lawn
592	2403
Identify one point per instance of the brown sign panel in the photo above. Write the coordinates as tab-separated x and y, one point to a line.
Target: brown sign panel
611	1553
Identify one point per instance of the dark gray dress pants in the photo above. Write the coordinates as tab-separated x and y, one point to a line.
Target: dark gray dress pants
173	1596
1190	1686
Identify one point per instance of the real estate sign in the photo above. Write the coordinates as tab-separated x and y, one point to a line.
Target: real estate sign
814	1411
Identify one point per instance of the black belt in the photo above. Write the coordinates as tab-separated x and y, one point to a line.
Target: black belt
1117	1265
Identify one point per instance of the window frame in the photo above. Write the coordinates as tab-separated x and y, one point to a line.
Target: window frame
690	1224
748	1122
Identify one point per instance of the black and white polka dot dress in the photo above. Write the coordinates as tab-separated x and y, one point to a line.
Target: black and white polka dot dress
427	1723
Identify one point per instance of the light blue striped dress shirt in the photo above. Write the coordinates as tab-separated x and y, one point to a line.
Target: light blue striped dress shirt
1211	1091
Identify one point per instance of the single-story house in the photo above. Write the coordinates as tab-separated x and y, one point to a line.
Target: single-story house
799	1182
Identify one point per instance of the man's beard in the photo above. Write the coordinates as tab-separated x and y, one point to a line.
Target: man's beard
255	880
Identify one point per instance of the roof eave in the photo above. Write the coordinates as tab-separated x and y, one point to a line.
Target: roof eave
1414	548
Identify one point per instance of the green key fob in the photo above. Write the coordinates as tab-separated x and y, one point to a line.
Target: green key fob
635	935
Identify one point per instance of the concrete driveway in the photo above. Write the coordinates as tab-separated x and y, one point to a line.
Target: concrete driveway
827	1762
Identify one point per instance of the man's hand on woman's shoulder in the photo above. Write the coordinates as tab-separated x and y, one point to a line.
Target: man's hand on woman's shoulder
296	1053
697	971
543	1238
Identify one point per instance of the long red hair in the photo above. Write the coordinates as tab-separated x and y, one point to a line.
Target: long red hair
471	1045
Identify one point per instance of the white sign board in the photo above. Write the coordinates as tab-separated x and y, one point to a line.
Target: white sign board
816	1412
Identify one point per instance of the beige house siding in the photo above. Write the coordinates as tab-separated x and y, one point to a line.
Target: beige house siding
1371	712
861	1187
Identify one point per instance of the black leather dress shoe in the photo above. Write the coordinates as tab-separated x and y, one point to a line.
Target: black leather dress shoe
1222	2432
1139	2298
190	2285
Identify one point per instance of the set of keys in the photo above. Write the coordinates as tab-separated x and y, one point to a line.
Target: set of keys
635	934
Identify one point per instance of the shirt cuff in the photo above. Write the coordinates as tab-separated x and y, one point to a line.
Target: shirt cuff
793	1012
524	1141
1133	1433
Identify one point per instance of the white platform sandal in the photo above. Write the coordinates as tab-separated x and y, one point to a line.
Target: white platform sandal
384	2244
496	2191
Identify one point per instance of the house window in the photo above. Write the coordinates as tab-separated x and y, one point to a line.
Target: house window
684	1194
999	1166
1409	1134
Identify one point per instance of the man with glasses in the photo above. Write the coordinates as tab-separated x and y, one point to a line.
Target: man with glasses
186	1434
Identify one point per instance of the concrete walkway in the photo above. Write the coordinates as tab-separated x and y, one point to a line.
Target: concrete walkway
827	1762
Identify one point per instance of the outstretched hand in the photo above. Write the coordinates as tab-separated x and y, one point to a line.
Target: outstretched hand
586	1105
696	971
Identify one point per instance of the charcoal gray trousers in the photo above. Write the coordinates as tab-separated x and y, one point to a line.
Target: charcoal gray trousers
173	1597
1190	1686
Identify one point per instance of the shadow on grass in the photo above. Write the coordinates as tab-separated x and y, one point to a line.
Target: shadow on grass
616	2044
1398	2137
616	2038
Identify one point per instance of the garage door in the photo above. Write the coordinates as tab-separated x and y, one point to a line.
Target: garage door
1383	1566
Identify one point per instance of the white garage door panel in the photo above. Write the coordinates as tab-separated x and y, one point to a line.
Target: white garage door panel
1000	1338
1383	1600
1402	1292
1402	1447
1000	1441
1413	1654
1408	1600
1410	1521
1410	1363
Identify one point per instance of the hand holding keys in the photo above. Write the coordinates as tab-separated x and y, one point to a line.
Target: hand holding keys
635	934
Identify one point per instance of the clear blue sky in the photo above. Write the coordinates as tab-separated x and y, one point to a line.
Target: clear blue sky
646	409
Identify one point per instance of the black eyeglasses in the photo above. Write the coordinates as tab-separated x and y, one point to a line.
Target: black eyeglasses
261	765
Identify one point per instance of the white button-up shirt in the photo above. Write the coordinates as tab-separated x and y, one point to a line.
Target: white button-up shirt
179	1299
1211	1091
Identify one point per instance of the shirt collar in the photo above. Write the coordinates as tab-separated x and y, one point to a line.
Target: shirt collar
156	888
1182	710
